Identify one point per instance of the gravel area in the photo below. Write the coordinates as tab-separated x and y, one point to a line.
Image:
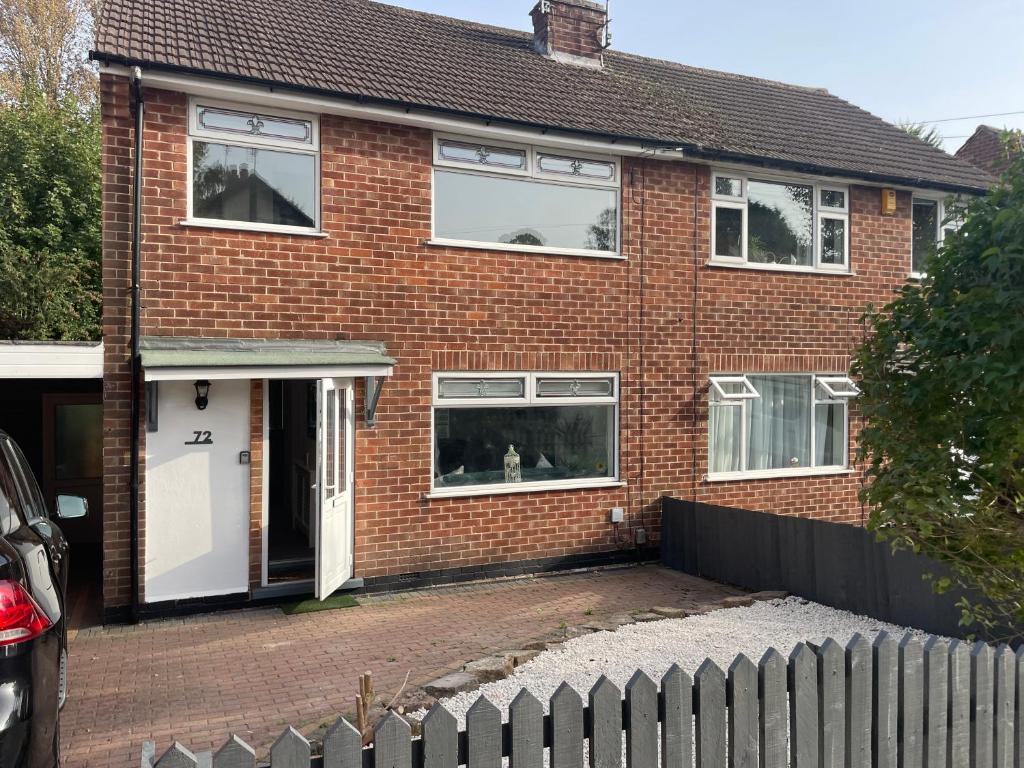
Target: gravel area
654	646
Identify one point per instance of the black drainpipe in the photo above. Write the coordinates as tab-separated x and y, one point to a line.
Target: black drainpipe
136	369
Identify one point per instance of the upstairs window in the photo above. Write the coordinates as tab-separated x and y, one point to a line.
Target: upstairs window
932	220
518	197
779	224
253	168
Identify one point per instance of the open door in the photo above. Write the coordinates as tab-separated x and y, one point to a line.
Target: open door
334	529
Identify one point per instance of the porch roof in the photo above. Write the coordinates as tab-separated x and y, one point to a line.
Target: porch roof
176	357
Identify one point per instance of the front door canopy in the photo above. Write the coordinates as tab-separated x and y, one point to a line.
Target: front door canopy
170	358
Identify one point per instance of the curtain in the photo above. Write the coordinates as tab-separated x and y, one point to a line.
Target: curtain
726	449
829	429
779	429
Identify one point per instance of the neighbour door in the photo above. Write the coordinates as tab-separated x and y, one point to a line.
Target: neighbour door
335	446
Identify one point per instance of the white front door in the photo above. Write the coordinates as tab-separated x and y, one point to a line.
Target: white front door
335	448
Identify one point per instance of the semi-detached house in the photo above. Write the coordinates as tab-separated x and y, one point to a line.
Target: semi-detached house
405	298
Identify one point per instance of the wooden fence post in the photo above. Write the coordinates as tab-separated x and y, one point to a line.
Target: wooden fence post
983	703
605	725
526	723
832	705
440	739
884	704
858	702
774	715
742	699
936	702
959	703
642	736
177	756
483	735
803	707
676	706
1005	679
566	728
710	686
911	702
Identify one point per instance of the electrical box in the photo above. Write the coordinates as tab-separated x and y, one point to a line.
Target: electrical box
243	457
617	514
888	202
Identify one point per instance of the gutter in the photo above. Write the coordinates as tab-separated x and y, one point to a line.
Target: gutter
410	113
136	372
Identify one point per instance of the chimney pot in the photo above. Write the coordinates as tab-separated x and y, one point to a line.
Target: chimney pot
570	30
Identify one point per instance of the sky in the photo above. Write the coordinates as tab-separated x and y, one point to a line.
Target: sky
916	60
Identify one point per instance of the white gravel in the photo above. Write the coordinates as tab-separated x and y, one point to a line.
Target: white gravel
654	646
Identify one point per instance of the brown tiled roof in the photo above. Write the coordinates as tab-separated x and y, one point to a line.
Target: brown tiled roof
381	53
987	150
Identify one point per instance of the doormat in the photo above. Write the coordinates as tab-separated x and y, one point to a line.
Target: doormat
312	606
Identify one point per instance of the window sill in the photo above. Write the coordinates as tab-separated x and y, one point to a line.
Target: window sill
502	490
247	227
777	268
770	474
538	249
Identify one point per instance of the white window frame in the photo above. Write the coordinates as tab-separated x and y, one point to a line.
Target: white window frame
943	202
814	380
819	212
748	389
532	171
828	385
196	133
529	399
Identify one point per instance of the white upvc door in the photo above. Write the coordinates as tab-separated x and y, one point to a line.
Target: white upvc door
335	448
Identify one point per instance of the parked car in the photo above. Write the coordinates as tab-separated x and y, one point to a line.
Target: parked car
33	632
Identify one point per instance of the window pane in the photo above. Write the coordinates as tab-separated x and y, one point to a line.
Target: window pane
780	228
725	430
833	198
728	187
263	186
571	166
830	434
79	441
478	154
779	423
575	387
459	388
489	209
833	241
256	125
729	232
563	443
330	442
925	230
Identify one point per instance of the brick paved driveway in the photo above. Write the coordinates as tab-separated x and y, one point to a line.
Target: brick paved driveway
252	672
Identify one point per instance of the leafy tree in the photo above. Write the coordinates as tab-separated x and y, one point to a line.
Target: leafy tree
943	399
49	219
929	135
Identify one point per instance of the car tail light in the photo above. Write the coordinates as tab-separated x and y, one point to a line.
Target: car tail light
21	618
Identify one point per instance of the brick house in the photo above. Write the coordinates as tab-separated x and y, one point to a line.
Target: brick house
422	300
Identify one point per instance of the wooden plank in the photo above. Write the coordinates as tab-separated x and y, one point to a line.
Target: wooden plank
773	717
483	735
566	728
832	705
885	700
606	724
709	683
936	702
148	754
1005	683
642	736
911	702
803	707
292	750
235	754
959	703
858	702
982	704
742	700
526	725
440	739
392	746
676	710
177	756
1019	725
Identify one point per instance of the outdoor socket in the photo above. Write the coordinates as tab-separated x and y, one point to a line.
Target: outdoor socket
617	515
641	537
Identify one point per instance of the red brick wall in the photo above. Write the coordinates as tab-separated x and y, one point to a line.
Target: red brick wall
373	277
570	26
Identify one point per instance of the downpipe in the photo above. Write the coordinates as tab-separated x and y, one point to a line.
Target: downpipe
136	368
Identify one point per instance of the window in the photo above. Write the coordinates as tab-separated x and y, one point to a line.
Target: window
793	424
525	198
932	220
779	224
254	169
502	432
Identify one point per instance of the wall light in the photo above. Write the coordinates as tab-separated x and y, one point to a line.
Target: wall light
202	394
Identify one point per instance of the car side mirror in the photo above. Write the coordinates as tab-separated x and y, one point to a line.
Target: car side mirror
72	507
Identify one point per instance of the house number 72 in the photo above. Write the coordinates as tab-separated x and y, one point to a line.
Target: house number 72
202	437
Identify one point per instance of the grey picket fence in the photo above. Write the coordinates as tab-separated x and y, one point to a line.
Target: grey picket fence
883	704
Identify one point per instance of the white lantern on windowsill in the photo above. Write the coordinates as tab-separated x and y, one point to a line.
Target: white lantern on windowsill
513	466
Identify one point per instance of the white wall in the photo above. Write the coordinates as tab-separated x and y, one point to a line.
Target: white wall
197	496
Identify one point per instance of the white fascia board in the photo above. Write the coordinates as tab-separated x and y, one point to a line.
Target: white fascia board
222	373
51	361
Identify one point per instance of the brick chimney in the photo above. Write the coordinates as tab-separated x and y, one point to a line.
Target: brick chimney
570	30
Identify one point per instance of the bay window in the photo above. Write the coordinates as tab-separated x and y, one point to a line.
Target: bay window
779	224
518	197
777	424
253	169
504	432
